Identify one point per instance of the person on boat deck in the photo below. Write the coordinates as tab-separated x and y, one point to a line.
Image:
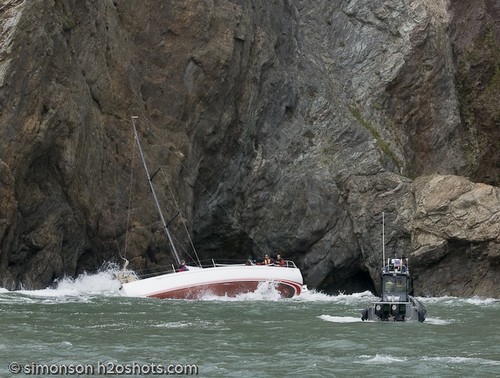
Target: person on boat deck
182	267
268	260
280	260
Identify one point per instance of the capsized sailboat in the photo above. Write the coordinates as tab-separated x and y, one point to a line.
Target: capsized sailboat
193	282
396	303
219	280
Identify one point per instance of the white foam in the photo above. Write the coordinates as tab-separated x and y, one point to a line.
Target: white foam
101	283
266	291
2	290
340	319
478	301
380	359
173	325
438	321
462	360
317	296
457	301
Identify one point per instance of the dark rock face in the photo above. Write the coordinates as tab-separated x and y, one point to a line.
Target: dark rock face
475	35
279	127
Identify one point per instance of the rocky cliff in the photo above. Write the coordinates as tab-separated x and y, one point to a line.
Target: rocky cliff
278	127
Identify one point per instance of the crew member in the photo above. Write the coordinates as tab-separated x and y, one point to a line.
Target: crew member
280	260
182	267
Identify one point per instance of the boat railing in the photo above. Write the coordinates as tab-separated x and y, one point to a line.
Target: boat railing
147	273
395	269
226	263
396	266
287	263
167	269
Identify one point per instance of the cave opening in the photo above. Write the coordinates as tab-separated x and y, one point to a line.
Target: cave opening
357	282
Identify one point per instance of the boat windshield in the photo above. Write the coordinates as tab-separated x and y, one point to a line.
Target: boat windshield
395	288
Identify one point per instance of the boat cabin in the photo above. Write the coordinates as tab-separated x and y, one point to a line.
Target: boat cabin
396	284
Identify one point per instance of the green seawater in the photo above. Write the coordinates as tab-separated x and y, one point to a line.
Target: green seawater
87	324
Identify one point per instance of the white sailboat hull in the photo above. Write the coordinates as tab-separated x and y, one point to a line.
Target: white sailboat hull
230	280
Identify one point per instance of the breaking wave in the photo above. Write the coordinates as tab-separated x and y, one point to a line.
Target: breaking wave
102	283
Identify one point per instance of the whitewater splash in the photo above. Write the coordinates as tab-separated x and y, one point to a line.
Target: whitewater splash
438	321
340	319
381	359
267	291
341	298
102	283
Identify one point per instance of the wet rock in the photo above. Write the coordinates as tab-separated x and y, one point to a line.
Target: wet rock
279	127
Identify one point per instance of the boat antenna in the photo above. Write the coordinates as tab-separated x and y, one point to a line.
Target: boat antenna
383	239
150	182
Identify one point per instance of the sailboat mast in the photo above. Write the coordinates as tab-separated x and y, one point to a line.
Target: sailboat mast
150	181
383	239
